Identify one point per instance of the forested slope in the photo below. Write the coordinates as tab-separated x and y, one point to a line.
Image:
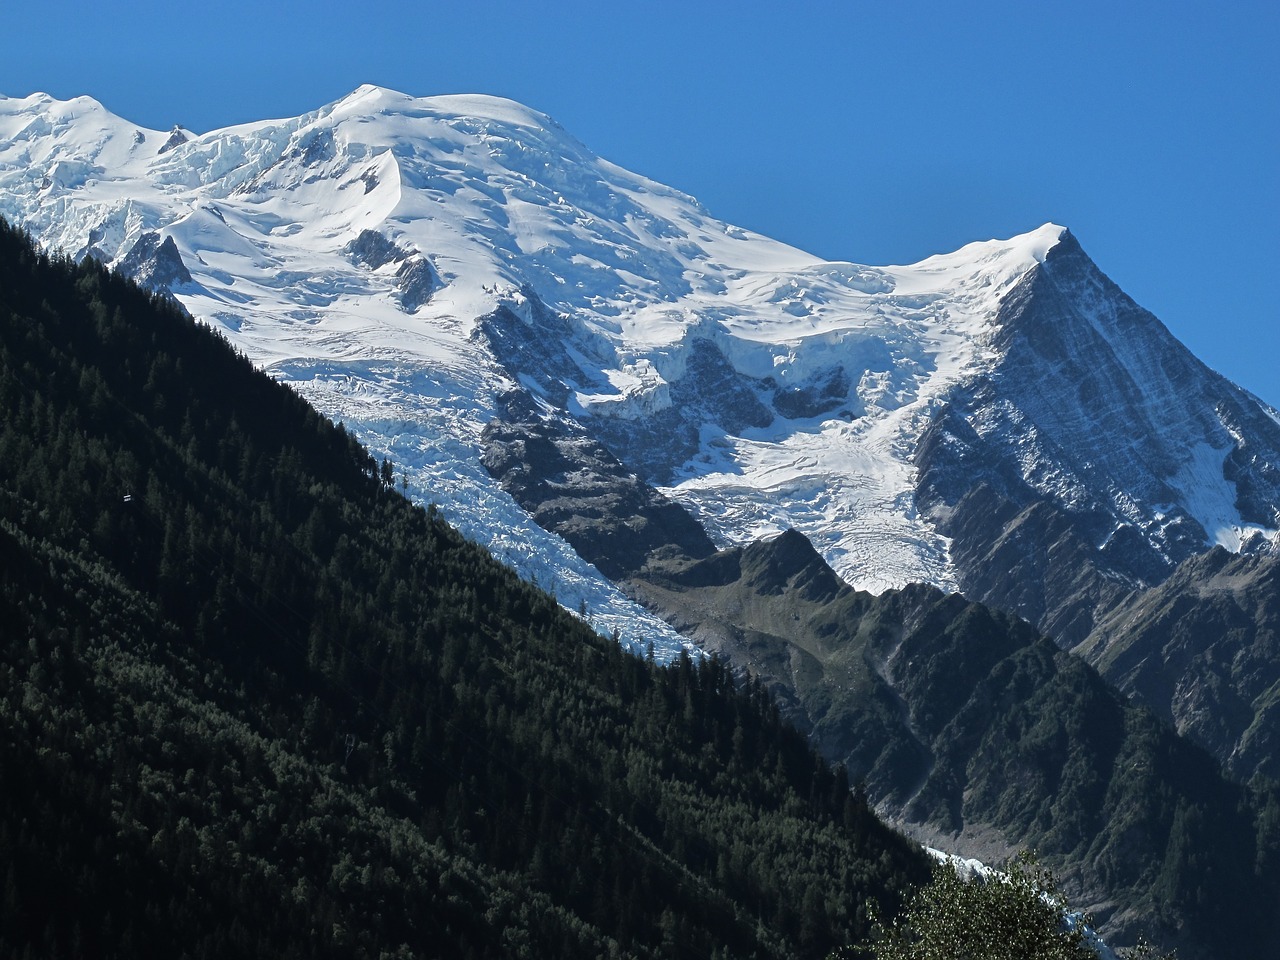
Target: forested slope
255	703
982	736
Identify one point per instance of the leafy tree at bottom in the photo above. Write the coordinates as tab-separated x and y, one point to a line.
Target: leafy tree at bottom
1017	914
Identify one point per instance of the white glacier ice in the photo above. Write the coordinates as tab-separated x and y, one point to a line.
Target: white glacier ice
499	200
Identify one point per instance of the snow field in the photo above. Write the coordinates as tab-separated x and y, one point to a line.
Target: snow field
500	200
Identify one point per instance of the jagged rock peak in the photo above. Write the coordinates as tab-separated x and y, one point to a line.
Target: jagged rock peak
177	137
374	250
763	387
155	263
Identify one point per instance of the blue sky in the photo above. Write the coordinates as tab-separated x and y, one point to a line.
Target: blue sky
879	133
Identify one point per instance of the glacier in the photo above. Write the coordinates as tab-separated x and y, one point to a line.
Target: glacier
632	283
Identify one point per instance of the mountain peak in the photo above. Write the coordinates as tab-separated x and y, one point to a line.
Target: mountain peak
763	387
43	103
1042	241
372	90
370	99
1051	231
1023	250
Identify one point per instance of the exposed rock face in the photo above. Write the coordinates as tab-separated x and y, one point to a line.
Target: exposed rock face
767	388
416	282
966	725
969	727
177	137
1202	650
1002	419
314	148
1057	473
710	395
573	486
155	263
823	394
533	351
374	250
415	279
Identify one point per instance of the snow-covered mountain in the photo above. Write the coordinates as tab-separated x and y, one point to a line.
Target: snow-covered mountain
410	264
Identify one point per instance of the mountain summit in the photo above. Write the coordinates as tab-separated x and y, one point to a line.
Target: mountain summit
411	264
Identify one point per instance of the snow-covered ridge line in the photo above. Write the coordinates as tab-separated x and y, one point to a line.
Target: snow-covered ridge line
356	250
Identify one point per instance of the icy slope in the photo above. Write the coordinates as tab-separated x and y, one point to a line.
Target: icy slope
404	262
274	273
1093	455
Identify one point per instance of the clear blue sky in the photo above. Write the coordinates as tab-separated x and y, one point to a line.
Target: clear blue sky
878	133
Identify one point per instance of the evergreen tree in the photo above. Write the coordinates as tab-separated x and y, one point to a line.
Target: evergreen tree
255	703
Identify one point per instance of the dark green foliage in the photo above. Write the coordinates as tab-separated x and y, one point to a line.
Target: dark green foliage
1017	914
253	703
968	725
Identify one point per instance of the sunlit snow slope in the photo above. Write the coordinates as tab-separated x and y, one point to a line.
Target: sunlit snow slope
353	252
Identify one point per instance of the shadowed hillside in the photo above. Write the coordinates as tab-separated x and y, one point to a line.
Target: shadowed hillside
980	735
255	703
